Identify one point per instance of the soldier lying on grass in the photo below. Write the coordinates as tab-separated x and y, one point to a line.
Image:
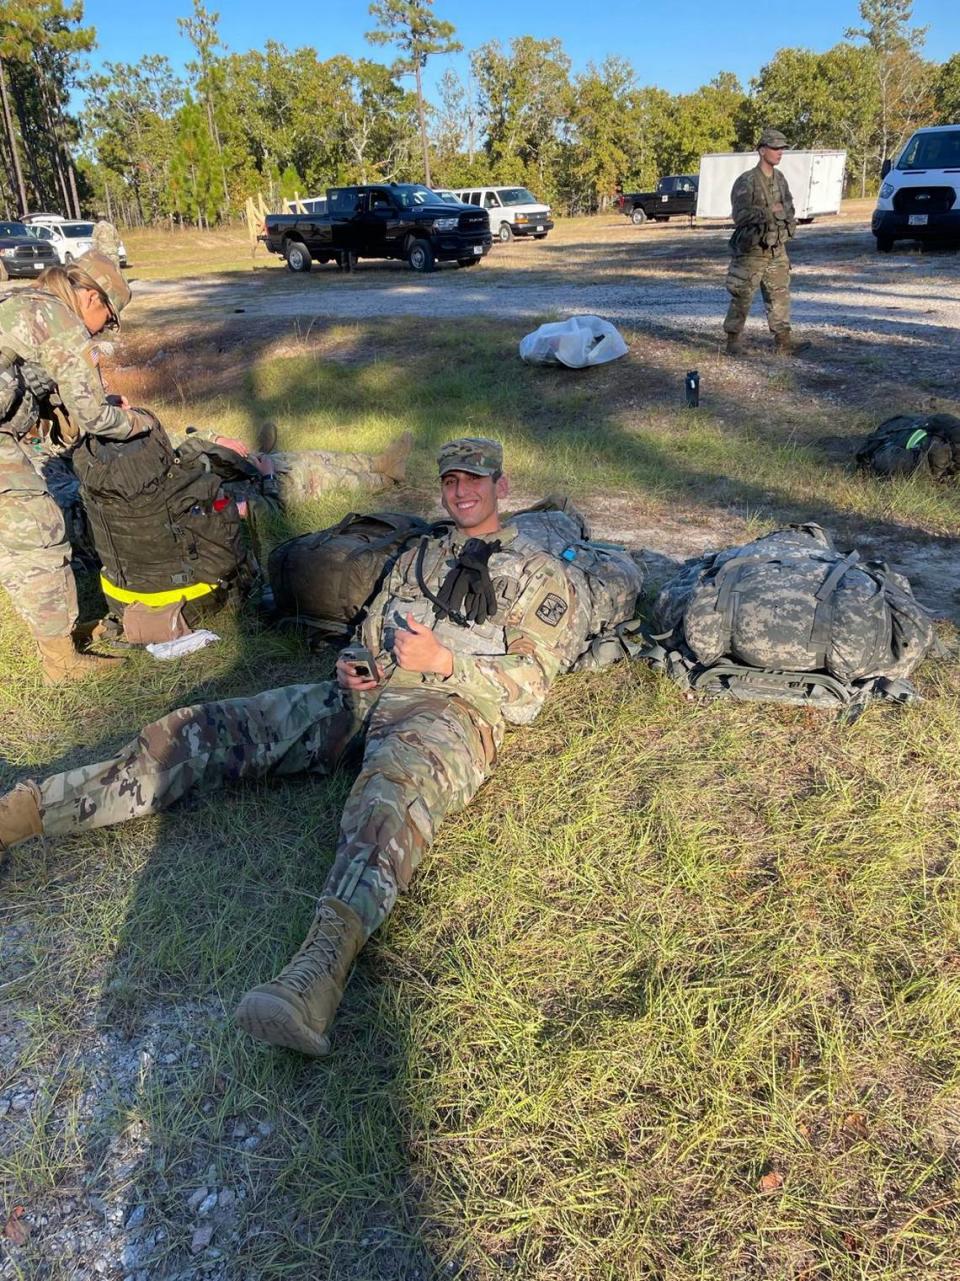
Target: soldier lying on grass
468	633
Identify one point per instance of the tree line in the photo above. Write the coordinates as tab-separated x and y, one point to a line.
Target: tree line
149	146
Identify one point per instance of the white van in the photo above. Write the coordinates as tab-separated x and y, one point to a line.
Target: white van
920	195
514	211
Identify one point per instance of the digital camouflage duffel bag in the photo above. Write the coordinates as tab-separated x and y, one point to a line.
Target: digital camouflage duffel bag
787	618
325	580
905	444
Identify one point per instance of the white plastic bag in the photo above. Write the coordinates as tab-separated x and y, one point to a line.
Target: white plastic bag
577	343
166	651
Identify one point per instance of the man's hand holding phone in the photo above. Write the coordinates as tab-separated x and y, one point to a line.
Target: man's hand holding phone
357	669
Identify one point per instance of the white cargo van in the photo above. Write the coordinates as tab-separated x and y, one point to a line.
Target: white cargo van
919	198
514	211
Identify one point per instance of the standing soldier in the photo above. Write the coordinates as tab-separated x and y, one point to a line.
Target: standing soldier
765	220
46	364
106	239
466	635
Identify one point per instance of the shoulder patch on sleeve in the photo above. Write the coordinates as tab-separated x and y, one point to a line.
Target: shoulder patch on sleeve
551	609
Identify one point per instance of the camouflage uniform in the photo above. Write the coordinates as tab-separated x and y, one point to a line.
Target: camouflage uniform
298	477
306	474
46	351
106	240
759	246
428	742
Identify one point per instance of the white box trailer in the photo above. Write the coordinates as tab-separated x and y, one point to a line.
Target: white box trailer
815	178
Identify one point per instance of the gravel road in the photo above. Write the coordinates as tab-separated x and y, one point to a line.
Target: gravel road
671	278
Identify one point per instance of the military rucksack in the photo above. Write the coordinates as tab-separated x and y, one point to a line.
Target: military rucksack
605	574
909	443
326	580
787	618
163	530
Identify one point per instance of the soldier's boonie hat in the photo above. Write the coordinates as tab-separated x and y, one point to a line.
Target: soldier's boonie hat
473	454
773	138
107	275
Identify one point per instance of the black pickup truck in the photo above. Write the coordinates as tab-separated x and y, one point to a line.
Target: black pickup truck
394	220
674	195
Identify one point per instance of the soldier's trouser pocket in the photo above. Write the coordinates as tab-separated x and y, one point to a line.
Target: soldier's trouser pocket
34	552
425	759
771	273
288	730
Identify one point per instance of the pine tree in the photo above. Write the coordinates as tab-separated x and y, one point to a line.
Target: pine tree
412	25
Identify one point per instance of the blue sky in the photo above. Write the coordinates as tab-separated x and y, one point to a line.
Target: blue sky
678	45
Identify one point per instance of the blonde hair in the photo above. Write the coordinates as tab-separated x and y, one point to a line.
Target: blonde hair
66	282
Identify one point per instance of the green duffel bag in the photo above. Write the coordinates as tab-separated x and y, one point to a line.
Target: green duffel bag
326	579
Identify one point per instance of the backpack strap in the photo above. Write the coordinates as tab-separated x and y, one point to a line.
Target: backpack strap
750	684
386	540
441	610
626	640
726	579
822	625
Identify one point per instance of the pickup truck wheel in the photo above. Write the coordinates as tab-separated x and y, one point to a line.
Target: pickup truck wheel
505	233
420	256
638	216
298	256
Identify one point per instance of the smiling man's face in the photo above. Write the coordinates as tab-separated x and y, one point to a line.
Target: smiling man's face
473	501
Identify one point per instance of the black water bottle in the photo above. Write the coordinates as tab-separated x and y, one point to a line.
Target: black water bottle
691	385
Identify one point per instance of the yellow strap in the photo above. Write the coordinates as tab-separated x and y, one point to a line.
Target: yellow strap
155	598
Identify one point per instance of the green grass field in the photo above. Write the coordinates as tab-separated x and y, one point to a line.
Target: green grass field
678	996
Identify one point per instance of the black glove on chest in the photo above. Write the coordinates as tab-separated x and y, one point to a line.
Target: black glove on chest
466	594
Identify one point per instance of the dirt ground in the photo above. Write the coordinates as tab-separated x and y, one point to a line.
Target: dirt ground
669	275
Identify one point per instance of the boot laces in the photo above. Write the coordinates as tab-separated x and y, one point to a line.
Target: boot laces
319	952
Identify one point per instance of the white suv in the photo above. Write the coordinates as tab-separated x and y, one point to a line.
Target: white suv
514	211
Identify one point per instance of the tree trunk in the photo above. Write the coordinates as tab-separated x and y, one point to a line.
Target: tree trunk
428	181
72	175
12	138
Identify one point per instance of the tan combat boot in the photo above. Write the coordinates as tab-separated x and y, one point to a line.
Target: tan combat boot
783	345
392	463
266	438
297	1008
62	661
19	817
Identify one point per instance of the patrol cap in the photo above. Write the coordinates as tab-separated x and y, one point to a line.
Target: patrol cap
773	138
107	275
473	454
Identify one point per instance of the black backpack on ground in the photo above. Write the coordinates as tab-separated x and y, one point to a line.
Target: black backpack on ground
909	443
789	619
162	529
